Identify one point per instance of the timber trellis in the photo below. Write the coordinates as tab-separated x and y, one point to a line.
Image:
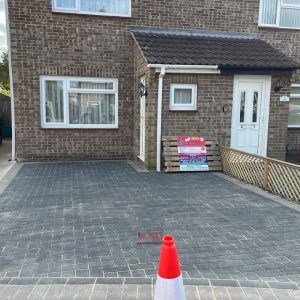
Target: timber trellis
273	175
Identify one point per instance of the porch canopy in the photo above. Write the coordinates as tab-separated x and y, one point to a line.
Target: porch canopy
228	52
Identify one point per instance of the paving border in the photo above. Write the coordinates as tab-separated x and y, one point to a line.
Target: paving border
146	281
9	176
276	198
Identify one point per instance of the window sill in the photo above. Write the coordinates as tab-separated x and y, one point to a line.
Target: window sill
183	110
56	11
277	27
80	127
294	127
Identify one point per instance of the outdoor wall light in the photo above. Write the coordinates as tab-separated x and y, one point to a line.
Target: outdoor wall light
143	90
279	85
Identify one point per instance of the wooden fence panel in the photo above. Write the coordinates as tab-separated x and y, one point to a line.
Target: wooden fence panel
5	111
275	176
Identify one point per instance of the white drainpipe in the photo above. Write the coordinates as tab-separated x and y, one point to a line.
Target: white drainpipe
13	126
159	112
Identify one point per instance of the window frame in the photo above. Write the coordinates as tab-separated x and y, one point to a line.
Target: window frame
294	96
183	107
66	86
280	5
78	10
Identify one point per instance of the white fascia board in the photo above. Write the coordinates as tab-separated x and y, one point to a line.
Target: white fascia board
186	69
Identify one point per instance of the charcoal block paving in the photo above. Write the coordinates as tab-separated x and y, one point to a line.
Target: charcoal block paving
81	219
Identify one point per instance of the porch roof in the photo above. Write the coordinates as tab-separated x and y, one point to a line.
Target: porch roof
231	52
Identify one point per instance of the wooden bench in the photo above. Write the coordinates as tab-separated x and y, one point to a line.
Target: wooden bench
171	157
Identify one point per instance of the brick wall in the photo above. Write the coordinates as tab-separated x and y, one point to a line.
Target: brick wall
213	92
47	43
278	122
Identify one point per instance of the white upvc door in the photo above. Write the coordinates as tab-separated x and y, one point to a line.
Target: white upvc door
250	114
142	123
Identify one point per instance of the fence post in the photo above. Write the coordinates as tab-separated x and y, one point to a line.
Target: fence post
266	174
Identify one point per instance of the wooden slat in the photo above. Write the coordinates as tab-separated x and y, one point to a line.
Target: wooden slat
175	152
177	169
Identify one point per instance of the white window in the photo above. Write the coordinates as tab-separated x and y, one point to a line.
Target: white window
294	109
280	13
183	97
119	8
68	102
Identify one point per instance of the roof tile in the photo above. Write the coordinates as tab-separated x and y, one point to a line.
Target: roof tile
226	52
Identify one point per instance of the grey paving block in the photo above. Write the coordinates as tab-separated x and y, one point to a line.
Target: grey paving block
69	292
191	292
138	280
295	294
206	293
54	292
9	291
117	281
23	292
282	285
221	293
253	284
282	294
236	293
130	292
267	294
84	293
80	281
252	293
145	292
196	281
51	281
24	281
99	292
225	282
114	292
38	292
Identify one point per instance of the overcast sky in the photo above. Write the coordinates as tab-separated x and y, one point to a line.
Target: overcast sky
2	26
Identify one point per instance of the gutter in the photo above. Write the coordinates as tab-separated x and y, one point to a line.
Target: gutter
159	112
187	69
12	99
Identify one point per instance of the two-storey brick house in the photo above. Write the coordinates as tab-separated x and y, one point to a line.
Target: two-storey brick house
216	68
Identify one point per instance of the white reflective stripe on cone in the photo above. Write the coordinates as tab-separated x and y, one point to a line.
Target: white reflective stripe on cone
169	289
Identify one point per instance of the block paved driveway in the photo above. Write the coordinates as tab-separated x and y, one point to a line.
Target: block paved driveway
81	219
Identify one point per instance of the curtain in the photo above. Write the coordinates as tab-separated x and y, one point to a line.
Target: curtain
183	96
91	85
290	18
66	3
92	108
54	102
105	6
294	112
268	11
291	2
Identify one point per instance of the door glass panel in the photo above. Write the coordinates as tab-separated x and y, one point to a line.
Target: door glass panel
242	107
255	103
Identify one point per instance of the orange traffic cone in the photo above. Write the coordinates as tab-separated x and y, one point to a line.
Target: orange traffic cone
169	284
